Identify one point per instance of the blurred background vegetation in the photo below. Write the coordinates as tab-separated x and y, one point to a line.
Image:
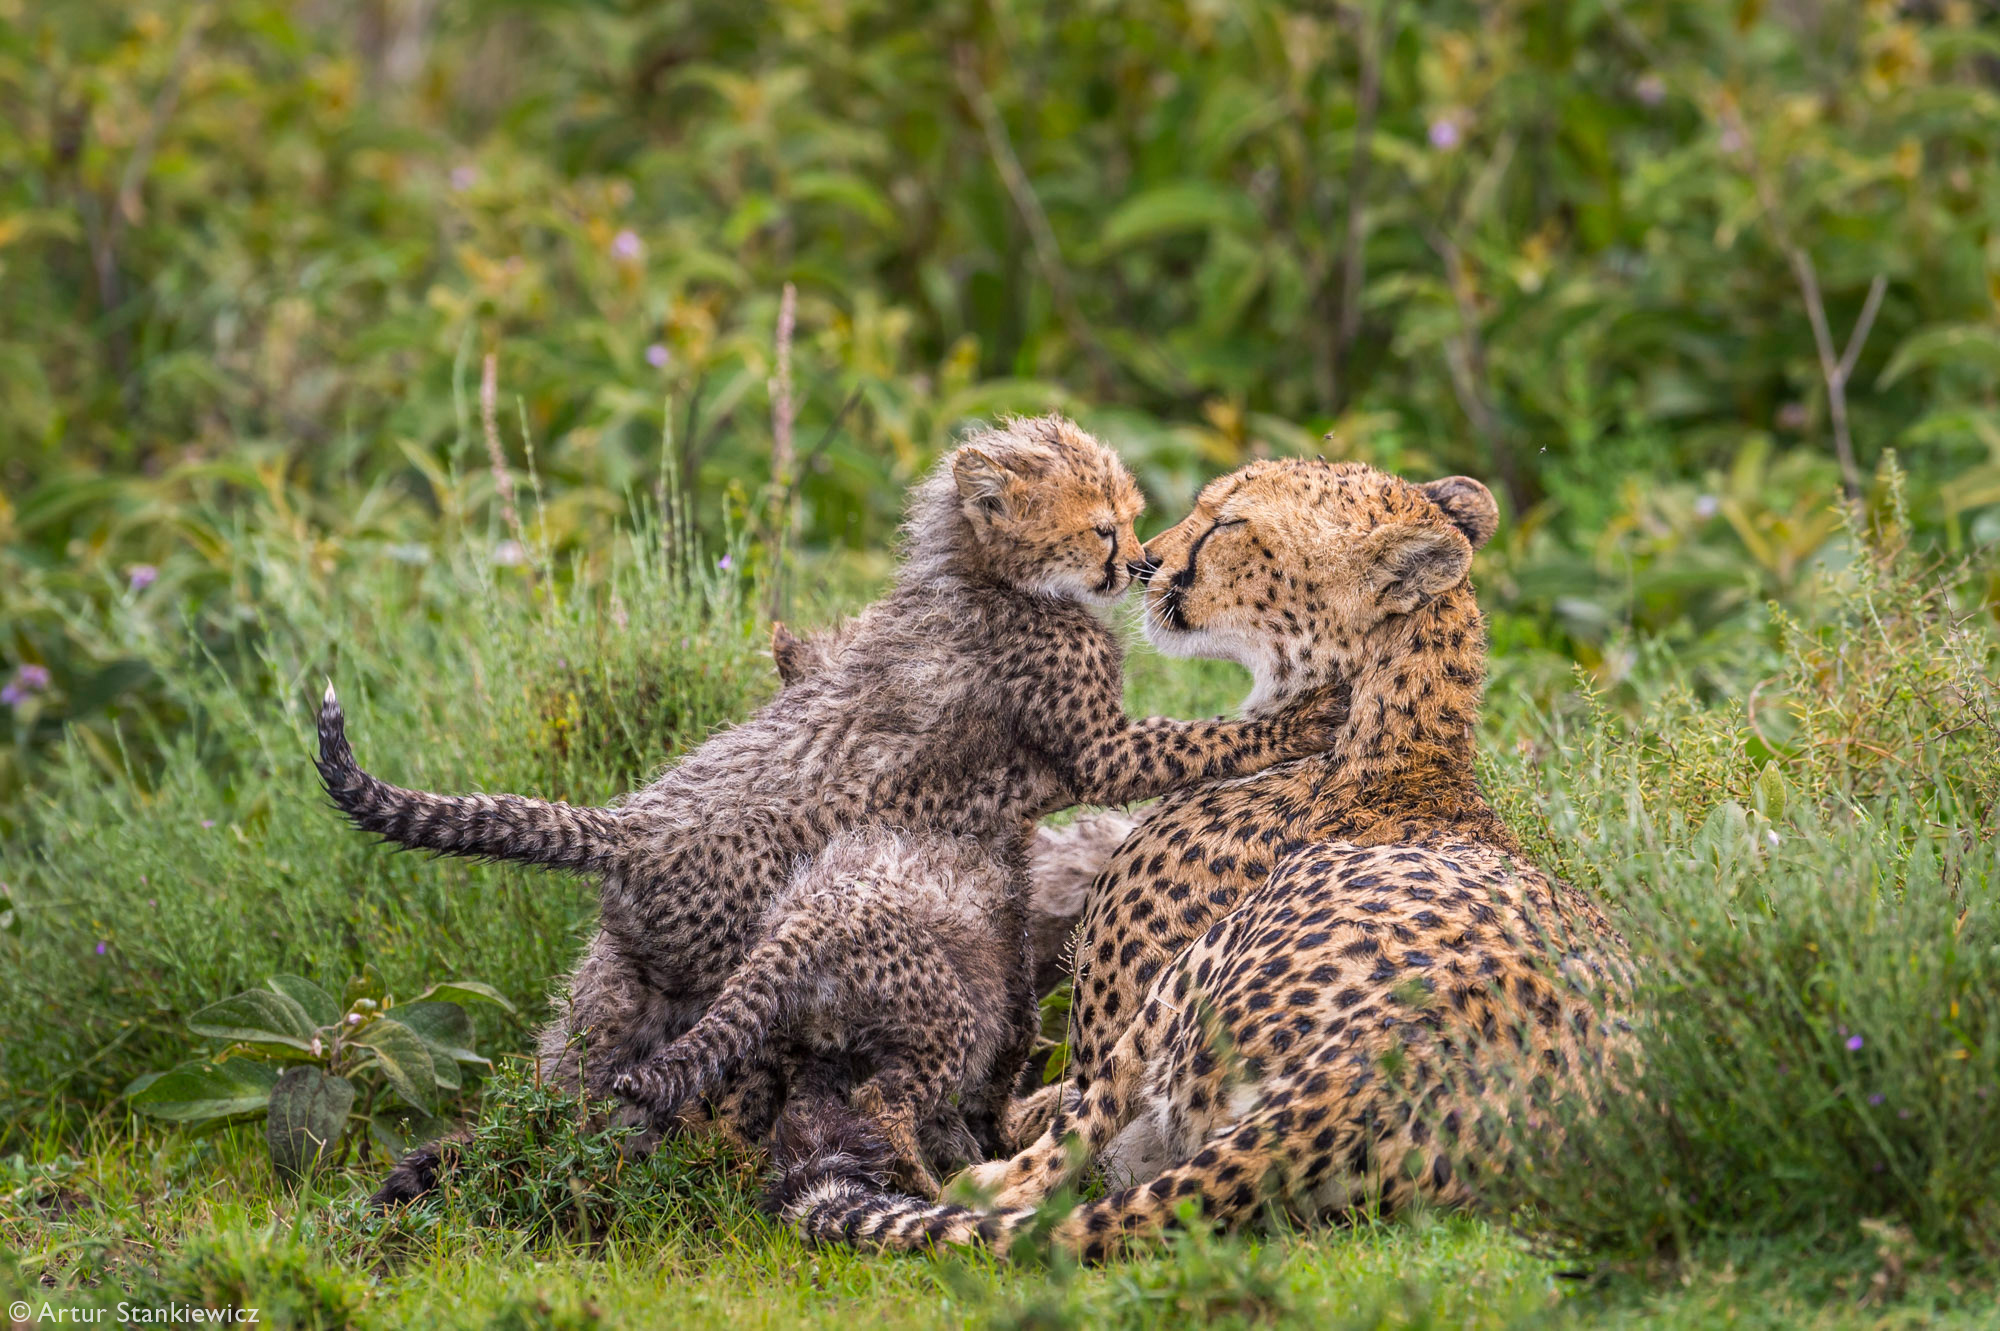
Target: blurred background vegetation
1645	266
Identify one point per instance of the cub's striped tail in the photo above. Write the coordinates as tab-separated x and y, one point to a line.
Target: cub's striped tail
493	827
830	1187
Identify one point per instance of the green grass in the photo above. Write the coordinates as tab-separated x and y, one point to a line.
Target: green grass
148	1216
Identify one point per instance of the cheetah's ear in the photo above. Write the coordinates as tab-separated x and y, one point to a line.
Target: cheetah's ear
1468	504
1412	562
792	653
984	486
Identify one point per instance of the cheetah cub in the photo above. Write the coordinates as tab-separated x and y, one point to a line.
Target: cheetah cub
982	692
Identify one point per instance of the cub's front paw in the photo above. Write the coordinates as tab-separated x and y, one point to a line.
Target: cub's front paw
659	1088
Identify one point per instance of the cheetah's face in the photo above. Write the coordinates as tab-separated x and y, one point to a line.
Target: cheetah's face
1284	565
1053	509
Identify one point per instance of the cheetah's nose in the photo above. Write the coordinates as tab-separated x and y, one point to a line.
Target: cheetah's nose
1145	568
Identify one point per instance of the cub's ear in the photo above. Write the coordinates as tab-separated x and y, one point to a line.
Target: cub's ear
1468	504
792	654
984	486
1414	562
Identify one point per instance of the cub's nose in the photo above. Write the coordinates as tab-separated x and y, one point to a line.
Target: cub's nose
1145	568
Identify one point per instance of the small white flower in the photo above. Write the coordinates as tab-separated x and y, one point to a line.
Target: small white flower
1707	506
509	554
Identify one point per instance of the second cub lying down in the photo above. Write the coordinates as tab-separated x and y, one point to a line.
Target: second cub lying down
889	958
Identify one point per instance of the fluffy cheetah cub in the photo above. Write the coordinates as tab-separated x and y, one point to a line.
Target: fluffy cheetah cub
982	692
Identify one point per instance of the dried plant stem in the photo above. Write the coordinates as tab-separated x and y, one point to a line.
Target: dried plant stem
496	456
783	414
1835	366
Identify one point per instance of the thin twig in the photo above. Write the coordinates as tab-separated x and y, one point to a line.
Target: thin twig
782	412
1048	253
103	233
496	456
826	438
1834	366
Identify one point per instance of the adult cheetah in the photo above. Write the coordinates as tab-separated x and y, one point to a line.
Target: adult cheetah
1315	983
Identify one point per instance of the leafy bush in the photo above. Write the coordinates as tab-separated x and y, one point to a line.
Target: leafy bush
538	1160
295	1055
1552	247
1809	884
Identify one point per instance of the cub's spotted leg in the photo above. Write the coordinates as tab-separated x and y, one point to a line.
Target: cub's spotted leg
918	1043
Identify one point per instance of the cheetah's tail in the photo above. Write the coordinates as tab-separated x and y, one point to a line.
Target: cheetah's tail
493	827
831	1189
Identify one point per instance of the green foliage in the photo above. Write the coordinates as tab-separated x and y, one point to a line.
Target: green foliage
1558	247
286	1281
539	1159
1809	885
145	893
406	1058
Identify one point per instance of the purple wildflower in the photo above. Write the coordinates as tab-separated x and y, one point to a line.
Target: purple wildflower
463	178
726	563
208	822
1877	1098
656	356
27	682
141	576
1444	134
1855	1042
102	947
1650	89
1706	506
626	245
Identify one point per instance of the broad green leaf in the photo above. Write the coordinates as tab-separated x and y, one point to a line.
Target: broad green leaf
260	1016
404	1058
466	991
319	1005
197	1091
1976	346
1172	209
444	1027
308	1113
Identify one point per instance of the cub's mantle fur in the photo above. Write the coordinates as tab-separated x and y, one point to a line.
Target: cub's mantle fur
981	693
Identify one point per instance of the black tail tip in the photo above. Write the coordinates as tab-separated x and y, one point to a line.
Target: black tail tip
414	1177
